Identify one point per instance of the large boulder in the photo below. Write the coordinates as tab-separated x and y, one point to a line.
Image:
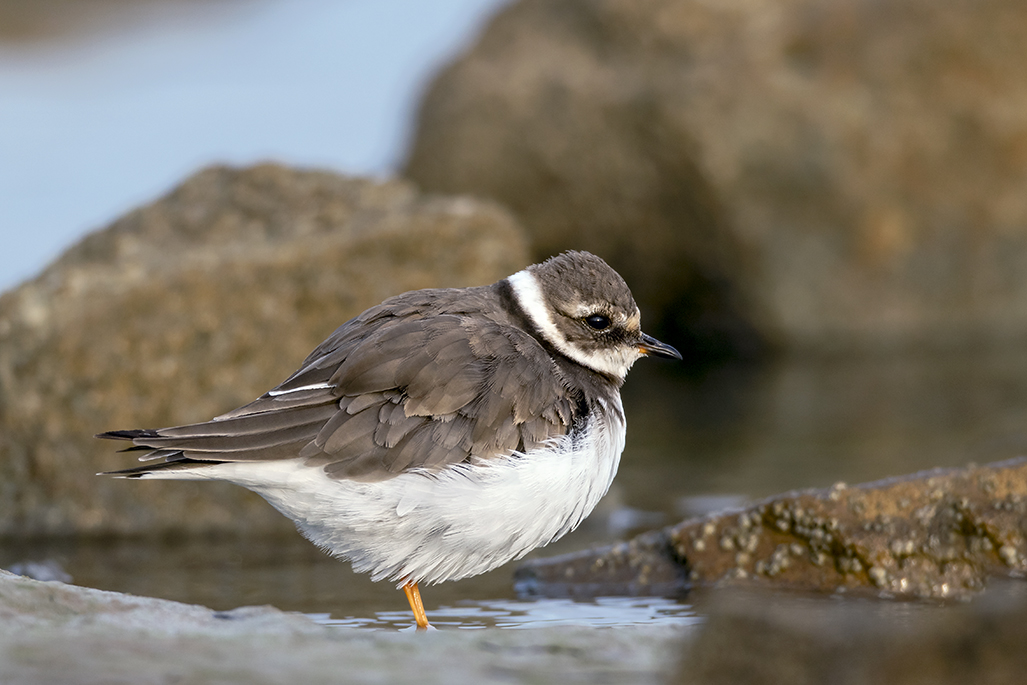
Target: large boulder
838	174
193	305
938	534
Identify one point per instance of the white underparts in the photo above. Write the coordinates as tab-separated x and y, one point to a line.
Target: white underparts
615	361
460	522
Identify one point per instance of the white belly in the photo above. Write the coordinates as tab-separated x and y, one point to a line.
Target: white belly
445	526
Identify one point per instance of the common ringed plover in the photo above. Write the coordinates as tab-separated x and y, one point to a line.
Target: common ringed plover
441	433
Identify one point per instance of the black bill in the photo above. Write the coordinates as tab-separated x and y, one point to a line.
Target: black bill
653	347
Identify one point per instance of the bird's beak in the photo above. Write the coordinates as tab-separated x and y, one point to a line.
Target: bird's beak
653	347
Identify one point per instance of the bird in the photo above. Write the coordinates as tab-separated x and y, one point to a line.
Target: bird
441	433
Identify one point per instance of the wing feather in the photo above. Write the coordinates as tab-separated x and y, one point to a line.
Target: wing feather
415	383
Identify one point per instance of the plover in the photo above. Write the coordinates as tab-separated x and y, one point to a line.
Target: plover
441	433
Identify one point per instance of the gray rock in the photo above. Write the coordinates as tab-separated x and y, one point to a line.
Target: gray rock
194	305
937	534
836	174
27	604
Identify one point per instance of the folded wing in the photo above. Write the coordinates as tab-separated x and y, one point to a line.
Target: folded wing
389	392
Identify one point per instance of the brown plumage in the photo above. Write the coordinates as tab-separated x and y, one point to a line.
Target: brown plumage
414	383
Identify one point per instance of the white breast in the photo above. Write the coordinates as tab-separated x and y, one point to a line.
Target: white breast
458	523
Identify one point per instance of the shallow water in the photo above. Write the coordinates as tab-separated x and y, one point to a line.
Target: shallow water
694	444
291	574
602	612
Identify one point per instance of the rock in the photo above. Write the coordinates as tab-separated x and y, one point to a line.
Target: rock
836	175
194	305
56	633
645	566
935	534
575	139
28	604
761	638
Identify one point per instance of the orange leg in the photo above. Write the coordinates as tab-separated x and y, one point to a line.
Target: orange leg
414	597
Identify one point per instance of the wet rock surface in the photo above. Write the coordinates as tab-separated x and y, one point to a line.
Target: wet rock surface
194	305
643	566
764	638
936	534
61	634
837	174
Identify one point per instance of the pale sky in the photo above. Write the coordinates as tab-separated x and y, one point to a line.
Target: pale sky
93	126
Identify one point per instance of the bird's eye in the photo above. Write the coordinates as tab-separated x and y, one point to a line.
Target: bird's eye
598	322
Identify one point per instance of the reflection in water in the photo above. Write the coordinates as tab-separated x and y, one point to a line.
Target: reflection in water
603	612
293	575
732	435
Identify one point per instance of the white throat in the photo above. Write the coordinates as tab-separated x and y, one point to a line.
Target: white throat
615	362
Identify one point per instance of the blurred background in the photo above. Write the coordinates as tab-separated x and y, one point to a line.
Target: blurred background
106	104
822	203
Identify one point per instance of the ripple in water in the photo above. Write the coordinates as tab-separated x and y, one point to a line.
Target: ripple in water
603	612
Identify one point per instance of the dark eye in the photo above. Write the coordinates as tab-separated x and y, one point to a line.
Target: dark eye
598	322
